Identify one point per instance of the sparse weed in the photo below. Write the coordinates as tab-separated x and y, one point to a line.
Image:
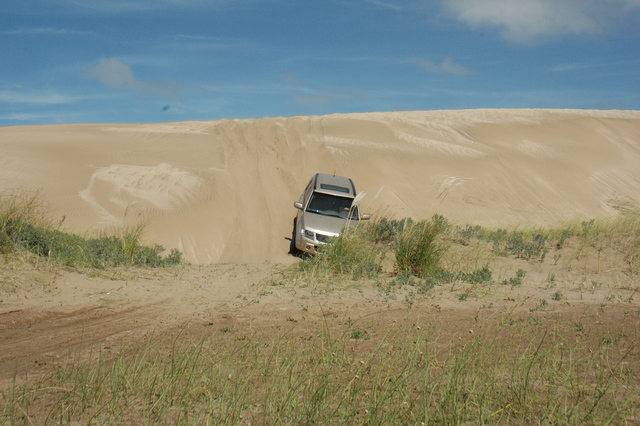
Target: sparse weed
505	375
551	279
479	276
421	250
535	247
386	231
517	280
359	335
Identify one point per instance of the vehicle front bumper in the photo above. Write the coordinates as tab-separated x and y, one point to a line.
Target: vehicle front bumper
312	245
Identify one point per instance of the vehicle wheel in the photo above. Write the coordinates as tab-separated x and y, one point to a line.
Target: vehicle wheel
293	250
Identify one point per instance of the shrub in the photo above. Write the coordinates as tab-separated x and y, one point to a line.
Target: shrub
17	211
419	248
386	231
23	227
517	280
349	254
525	248
479	276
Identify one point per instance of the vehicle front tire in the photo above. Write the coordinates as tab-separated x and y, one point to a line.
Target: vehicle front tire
293	250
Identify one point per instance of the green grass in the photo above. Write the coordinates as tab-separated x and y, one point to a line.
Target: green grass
25	228
420	248
539	367
359	252
435	251
407	375
351	254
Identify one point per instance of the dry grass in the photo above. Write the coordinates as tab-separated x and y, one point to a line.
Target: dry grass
387	368
26	230
472	344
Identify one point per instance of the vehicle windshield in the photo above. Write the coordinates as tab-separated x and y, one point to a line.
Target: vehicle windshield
331	205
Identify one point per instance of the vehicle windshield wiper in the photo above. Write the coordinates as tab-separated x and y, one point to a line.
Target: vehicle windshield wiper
331	213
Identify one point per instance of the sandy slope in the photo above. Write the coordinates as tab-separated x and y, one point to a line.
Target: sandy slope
222	191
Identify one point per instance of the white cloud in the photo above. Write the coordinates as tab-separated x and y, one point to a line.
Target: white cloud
57	116
525	21
118	6
46	98
118	75
389	5
445	67
19	116
44	31
126	6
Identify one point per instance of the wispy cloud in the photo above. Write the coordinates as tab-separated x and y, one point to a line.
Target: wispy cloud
19	116
46	31
526	21
118	75
393	5
445	67
126	6
113	6
46	98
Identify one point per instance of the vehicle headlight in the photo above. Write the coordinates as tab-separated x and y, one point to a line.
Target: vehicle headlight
308	234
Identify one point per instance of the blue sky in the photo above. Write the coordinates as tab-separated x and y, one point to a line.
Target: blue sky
98	61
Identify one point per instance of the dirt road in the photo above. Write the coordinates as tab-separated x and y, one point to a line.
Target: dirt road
49	315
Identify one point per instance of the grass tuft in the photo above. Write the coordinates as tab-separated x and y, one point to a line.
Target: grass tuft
350	254
420	247
24	228
505	375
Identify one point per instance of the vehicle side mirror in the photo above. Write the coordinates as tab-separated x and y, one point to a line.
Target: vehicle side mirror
365	216
297	205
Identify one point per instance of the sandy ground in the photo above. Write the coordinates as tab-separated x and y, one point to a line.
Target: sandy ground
51	316
222	192
48	314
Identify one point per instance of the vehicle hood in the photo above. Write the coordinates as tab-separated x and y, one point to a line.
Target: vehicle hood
323	224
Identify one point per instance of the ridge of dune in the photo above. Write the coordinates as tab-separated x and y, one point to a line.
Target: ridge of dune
222	191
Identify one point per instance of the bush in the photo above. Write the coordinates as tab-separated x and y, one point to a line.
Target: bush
386	231
420	249
479	276
349	254
17	211
22	228
523	248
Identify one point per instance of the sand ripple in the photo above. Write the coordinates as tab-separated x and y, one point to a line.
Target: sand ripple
222	191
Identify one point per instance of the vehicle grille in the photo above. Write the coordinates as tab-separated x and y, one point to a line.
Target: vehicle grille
323	238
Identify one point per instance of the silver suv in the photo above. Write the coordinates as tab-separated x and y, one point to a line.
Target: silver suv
325	207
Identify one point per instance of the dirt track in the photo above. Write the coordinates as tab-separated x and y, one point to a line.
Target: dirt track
48	316
31	337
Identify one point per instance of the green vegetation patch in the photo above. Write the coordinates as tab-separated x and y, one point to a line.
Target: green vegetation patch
511	373
350	254
427	253
23	228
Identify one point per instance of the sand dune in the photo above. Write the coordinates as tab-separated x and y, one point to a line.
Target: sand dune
222	191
